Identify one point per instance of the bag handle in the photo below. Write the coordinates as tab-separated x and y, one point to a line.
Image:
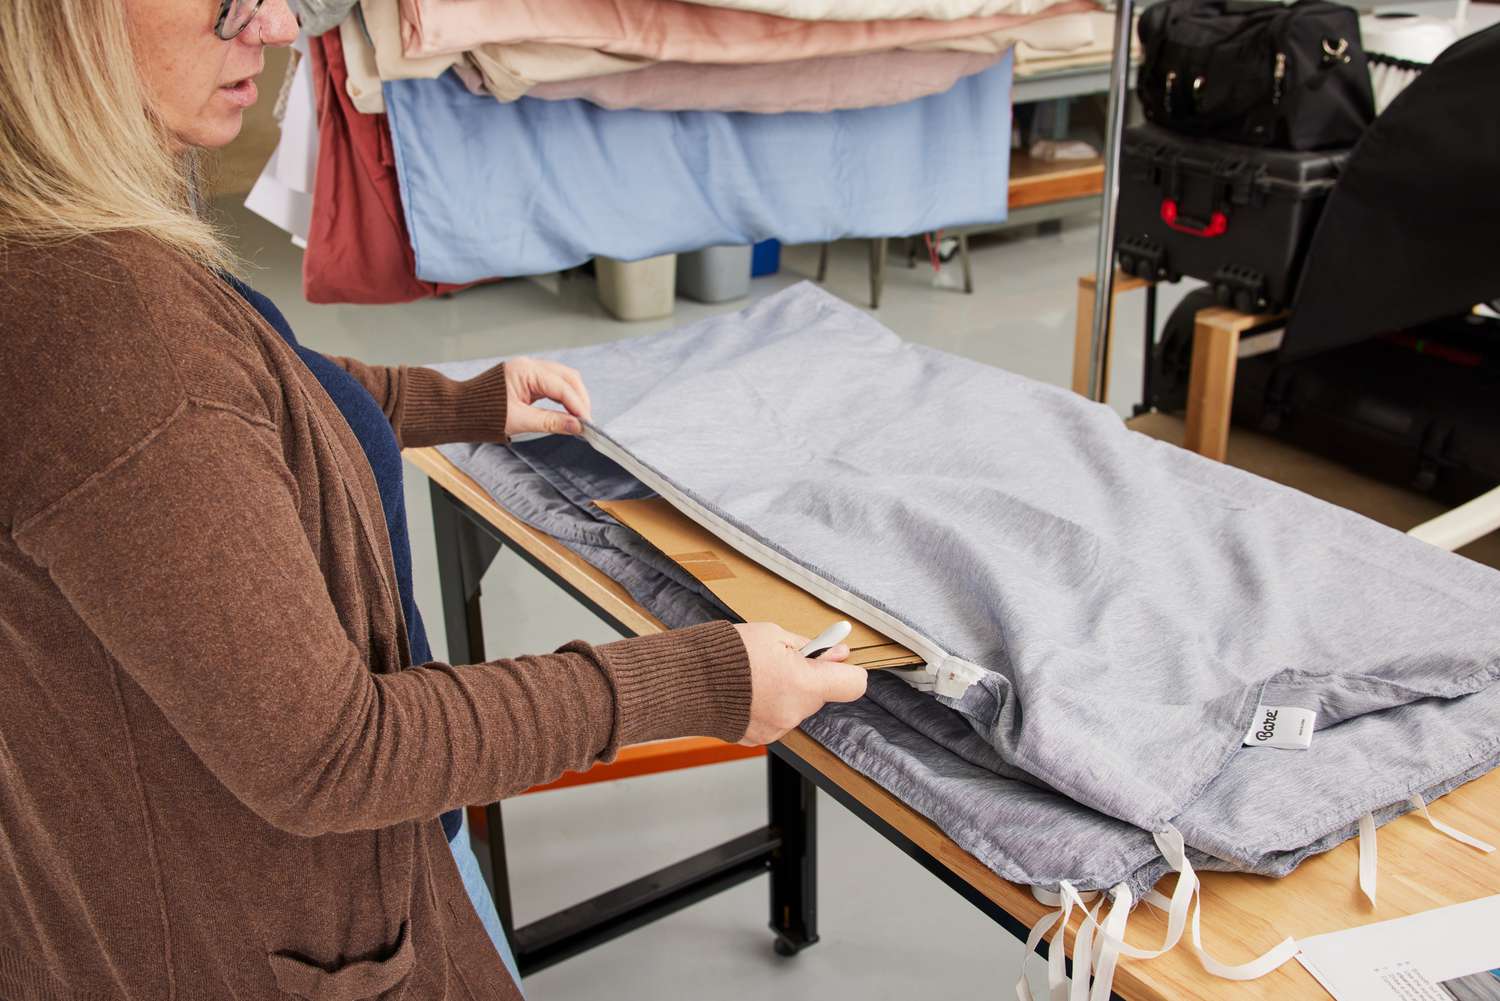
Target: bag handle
1217	225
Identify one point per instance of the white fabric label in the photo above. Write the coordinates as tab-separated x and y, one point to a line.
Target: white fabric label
1281	726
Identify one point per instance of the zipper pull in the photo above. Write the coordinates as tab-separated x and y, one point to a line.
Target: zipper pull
1335	54
1166	96
1278	77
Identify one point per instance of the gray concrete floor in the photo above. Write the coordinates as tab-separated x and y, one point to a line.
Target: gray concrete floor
889	929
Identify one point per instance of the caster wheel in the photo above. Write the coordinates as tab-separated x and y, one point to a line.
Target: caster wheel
785	948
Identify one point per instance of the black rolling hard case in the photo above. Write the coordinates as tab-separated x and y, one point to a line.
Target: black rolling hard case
1417	407
1238	217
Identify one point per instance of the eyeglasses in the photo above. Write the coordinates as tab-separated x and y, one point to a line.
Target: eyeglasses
235	16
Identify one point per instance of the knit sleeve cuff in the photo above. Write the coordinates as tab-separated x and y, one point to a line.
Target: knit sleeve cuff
437	410
692	682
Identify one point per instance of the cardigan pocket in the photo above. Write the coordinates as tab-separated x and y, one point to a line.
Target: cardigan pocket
354	981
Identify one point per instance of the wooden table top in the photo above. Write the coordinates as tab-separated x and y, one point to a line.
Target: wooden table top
1243	915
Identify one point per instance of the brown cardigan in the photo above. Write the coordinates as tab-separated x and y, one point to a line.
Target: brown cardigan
216	780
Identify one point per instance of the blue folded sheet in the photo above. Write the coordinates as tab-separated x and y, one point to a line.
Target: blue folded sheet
534	186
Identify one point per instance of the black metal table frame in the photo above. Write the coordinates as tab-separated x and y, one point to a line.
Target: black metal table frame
785	849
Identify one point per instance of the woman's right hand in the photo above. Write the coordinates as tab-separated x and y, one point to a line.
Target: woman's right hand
786	687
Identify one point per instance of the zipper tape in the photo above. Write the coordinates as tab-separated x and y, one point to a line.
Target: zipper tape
952	675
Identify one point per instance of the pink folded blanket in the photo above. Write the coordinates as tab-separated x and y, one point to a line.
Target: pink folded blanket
671	30
880	10
826	83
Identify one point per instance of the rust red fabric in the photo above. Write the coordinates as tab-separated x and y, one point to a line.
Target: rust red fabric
357	247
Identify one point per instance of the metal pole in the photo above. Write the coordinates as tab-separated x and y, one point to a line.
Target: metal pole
1104	269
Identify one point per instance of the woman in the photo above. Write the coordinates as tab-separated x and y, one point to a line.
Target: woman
220	771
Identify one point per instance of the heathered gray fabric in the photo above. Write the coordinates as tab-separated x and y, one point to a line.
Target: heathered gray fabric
1268	815
897	737
673	596
949	777
933	761
1023	833
1129	599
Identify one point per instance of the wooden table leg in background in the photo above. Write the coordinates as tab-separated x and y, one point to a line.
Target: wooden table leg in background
1216	353
1083	330
1211	385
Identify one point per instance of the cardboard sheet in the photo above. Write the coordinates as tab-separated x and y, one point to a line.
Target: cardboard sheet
753	592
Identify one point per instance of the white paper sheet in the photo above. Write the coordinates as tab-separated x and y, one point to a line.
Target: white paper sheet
1448	954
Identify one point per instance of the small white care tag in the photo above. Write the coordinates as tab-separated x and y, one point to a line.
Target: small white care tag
1281	726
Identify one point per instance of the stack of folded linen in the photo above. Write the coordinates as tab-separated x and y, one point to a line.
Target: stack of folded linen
696	56
811	55
1033	59
496	137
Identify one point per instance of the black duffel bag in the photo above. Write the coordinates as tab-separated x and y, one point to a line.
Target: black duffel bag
1263	74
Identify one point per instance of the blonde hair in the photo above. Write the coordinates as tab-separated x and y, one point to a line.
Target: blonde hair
81	151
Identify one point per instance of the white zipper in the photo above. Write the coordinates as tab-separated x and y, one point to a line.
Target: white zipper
952	675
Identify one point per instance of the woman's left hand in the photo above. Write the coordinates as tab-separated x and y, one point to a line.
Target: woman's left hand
528	380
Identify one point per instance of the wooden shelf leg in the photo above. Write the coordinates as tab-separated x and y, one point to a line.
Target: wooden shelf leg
1211	385
1083	337
1083	330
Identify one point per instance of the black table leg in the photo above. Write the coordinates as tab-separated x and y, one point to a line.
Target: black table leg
464	553
794	864
787	847
494	822
1148	370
